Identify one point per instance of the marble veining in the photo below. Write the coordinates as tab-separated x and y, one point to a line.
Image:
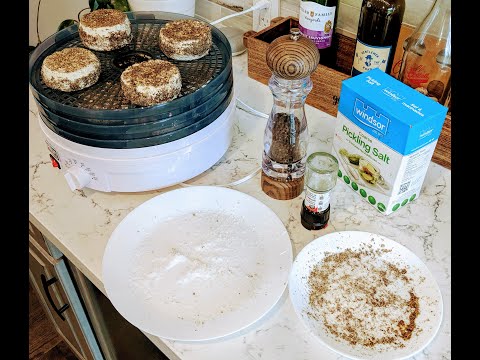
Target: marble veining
79	223
243	156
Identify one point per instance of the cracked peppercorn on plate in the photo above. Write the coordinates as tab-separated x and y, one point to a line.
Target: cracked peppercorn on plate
365	296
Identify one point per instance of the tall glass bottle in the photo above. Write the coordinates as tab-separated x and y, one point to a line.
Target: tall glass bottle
377	36
317	21
426	61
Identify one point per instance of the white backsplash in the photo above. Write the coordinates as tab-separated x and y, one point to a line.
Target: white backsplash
53	12
415	11
212	10
349	10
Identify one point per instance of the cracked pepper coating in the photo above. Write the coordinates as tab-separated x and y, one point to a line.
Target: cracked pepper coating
70	69
105	30
151	82
185	39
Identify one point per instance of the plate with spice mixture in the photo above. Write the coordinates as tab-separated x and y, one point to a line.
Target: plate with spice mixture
365	296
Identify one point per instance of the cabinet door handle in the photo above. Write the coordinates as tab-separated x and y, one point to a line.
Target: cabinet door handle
46	283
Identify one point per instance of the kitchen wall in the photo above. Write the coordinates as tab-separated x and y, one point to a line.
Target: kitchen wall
215	9
52	12
415	11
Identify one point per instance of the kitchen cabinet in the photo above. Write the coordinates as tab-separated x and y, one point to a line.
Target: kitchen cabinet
81	314
45	272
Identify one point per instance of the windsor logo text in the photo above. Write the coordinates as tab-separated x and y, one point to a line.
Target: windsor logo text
368	116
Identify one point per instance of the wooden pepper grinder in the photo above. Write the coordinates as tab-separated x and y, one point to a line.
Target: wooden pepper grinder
291	58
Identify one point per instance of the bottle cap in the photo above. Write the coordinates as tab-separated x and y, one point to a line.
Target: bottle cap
292	56
322	170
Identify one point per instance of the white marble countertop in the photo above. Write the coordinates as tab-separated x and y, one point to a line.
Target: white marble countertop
79	223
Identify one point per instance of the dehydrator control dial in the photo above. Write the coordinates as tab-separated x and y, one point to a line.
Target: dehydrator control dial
77	178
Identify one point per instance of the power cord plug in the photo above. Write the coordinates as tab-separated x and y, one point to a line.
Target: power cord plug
262	4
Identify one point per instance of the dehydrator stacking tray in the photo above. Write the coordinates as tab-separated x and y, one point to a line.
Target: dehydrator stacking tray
145	129
104	100
147	141
141	119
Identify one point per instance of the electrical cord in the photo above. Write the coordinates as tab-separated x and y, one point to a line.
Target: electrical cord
38	20
38	15
262	4
234	183
241	105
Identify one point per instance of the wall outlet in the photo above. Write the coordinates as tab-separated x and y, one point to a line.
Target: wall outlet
261	18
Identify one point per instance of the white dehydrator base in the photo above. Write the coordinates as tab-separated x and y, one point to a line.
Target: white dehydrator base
141	169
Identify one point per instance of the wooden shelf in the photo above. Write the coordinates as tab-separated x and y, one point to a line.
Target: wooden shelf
327	82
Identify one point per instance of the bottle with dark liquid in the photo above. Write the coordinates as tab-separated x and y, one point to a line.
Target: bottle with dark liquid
377	36
317	21
321	177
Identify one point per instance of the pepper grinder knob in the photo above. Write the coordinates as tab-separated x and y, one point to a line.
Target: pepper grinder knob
295	34
292	56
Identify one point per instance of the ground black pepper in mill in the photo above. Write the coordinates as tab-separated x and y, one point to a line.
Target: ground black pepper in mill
291	58
285	148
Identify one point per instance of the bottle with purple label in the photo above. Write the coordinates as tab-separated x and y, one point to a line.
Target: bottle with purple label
317	21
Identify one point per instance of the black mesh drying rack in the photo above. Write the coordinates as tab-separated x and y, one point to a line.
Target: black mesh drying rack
103	105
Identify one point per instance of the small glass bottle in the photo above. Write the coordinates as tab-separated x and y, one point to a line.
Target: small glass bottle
426	61
321	177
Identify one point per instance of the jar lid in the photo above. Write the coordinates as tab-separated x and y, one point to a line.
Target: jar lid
322	171
292	56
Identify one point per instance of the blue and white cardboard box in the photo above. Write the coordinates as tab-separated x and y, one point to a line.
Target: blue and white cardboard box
384	138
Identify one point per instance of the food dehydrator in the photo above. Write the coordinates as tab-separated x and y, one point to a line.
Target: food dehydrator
101	141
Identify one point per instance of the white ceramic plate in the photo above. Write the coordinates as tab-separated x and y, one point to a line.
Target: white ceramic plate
426	288
197	263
